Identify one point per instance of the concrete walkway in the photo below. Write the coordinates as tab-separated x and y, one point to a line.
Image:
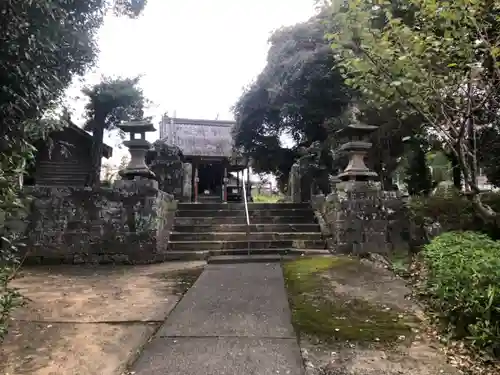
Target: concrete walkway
234	320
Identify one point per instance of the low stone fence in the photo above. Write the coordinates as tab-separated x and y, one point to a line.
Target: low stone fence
124	224
360	219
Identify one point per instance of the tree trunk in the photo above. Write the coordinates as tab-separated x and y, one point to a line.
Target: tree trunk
94	177
456	172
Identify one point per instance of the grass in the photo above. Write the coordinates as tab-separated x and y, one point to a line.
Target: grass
400	262
318	312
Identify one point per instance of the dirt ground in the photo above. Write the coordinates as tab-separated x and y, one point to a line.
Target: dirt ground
362	322
90	320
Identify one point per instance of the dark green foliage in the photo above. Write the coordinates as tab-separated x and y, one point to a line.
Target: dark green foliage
463	286
418	175
453	212
44	45
387	141
298	91
489	153
112	101
301	92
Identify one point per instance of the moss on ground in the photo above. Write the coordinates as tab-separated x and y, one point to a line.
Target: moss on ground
184	278
317	311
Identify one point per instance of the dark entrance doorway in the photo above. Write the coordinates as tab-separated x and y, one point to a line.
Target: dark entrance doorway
210	177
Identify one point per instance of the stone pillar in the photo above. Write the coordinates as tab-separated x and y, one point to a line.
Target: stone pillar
294	183
188	182
196	180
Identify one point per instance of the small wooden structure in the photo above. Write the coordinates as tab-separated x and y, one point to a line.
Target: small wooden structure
64	160
207	149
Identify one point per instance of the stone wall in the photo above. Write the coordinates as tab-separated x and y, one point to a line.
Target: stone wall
129	224
359	218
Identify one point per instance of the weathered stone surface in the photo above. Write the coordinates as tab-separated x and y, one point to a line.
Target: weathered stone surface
234	300
129	223
361	218
188	175
220	356
234	320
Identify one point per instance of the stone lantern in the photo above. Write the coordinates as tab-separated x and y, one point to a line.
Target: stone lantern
356	148
138	146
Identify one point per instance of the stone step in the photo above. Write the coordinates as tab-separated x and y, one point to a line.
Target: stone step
185	255
231	259
261	228
58	171
241	213
243	236
241	220
209	200
255	258
241	206
63	181
255	244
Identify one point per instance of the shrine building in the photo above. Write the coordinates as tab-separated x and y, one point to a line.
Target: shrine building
209	158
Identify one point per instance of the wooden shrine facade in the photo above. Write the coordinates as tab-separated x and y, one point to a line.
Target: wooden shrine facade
63	160
209	157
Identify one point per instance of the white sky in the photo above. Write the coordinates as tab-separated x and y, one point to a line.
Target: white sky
195	56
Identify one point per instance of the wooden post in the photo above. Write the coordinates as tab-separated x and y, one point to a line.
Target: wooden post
224	185
196	180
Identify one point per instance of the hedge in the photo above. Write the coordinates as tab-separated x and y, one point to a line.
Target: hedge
462	283
453	212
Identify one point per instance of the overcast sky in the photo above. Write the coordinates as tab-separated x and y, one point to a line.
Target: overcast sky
195	56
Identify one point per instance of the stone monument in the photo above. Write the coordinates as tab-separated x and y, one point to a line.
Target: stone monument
354	211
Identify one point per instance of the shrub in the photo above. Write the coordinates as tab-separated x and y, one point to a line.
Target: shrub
453	212
463	285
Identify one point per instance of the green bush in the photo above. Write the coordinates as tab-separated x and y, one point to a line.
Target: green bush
453	212
462	283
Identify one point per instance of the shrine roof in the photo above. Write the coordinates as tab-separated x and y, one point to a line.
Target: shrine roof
196	137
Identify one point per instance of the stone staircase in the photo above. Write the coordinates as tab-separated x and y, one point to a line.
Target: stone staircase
218	232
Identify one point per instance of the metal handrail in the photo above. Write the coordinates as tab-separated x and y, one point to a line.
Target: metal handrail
246	209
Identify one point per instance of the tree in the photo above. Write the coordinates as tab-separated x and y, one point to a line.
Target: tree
302	92
418	175
298	90
44	45
442	66
111	102
440	165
